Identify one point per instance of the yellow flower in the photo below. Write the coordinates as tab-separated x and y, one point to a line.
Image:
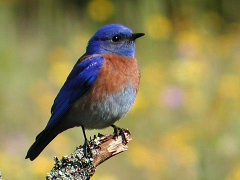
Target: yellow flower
175	144
144	157
42	165
140	103
152	79
229	87
235	174
158	27
103	177
59	71
42	94
60	65
190	72
60	145
100	10
195	101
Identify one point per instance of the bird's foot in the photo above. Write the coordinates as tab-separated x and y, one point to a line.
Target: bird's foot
86	147
121	132
87	150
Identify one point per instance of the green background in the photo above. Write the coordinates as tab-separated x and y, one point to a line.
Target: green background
186	119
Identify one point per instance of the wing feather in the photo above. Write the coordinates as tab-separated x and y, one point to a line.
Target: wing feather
78	82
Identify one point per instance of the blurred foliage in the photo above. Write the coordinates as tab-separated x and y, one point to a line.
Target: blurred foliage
186	119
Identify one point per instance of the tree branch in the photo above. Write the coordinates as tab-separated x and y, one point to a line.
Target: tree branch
77	166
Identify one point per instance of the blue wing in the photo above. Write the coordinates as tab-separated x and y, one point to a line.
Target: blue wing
79	80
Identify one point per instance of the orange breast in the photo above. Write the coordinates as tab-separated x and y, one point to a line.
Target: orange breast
116	73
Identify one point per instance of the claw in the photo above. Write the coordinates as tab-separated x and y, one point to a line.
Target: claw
87	150
121	132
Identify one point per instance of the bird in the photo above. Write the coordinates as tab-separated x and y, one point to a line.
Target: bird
100	89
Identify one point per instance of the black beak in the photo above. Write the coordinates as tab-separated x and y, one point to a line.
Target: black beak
136	35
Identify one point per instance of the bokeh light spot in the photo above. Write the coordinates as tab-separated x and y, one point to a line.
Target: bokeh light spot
229	87
152	79
187	71
103	177
60	65
57	144
175	144
42	165
42	94
172	96
195	101
140	103
59	71
235	174
143	157
158	27
100	10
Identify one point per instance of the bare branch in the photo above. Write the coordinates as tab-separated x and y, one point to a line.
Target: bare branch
77	166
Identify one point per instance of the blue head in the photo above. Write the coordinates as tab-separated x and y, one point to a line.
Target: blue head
113	38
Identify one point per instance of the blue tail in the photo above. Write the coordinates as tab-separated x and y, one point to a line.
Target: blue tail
42	140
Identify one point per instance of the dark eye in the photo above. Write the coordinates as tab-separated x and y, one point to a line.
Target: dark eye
116	38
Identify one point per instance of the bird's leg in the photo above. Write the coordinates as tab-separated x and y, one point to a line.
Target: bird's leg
87	150
120	131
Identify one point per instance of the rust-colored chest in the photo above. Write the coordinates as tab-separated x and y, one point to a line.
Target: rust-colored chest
116	73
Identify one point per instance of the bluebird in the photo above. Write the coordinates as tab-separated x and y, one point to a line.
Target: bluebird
100	89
